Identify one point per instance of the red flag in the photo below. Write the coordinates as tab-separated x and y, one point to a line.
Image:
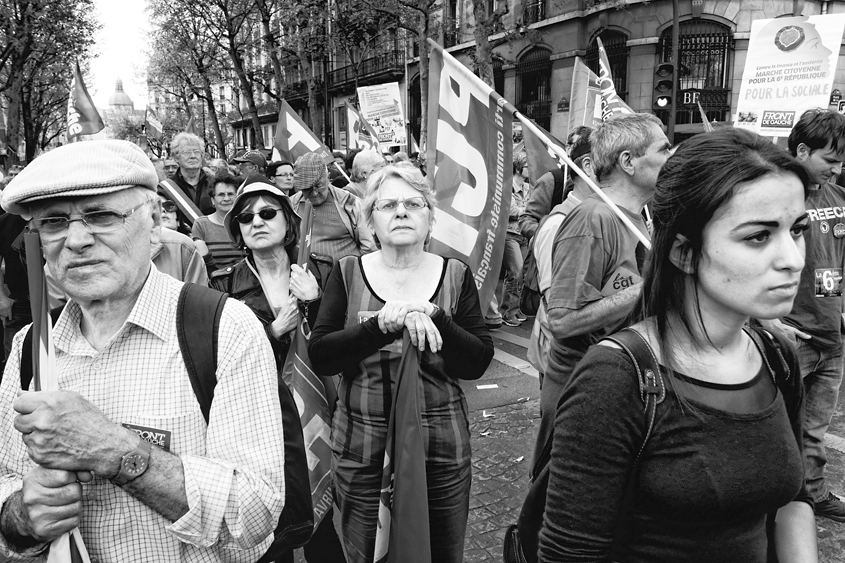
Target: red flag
82	116
403	533
587	99
191	127
359	133
470	162
611	104
541	159
313	398
294	138
152	125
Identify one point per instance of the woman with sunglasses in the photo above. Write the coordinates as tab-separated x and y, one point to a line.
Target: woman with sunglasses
268	280
368	302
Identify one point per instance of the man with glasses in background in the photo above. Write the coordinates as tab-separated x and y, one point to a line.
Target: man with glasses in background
339	227
200	491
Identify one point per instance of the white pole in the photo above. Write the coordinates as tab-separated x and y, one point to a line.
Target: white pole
565	157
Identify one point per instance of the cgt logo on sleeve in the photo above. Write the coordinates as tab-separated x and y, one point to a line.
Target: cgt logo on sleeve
621	279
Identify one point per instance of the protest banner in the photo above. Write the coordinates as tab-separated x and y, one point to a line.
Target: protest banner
789	69
381	106
470	161
153	127
82	115
359	133
294	138
593	98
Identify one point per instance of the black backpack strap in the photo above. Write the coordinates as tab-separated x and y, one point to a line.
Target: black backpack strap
557	192
27	350
202	307
652	386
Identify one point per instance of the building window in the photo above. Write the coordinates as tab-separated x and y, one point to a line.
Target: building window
615	45
704	51
451	24
535	10
534	86
498	76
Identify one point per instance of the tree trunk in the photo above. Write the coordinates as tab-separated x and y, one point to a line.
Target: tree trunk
215	123
313	107
483	51
246	85
422	35
272	47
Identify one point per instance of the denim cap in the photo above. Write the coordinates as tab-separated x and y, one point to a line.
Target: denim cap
256	188
80	169
307	170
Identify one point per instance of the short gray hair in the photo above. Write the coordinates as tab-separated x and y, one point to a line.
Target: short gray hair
404	171
185	138
609	140
363	162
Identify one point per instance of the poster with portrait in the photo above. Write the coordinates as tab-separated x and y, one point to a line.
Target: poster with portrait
790	68
381	106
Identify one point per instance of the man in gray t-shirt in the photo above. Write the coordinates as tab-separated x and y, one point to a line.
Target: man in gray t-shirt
596	270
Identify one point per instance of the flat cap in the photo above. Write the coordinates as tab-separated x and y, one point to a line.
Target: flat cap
307	170
254	157
79	169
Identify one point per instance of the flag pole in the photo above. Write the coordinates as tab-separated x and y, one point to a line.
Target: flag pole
565	157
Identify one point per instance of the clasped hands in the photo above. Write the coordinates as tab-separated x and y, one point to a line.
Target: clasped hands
416	317
303	287
70	440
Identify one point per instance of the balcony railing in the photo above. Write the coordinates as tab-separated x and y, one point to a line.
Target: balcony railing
386	62
534	12
451	32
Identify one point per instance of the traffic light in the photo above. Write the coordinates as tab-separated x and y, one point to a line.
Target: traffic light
664	83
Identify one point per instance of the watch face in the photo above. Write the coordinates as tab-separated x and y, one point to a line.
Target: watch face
134	464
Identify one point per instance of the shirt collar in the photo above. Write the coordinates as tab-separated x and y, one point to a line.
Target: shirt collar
151	312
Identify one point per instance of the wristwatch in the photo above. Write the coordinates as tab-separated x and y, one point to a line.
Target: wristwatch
133	464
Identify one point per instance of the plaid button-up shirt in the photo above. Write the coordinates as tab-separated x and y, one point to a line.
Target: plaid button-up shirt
233	466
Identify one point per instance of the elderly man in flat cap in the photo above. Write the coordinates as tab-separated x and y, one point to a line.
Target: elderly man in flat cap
78	456
339	227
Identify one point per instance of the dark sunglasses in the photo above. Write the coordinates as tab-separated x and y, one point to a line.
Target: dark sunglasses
247	216
168	206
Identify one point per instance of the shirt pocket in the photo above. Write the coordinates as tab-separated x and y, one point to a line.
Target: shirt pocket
184	434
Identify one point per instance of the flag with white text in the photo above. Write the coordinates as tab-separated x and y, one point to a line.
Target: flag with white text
470	162
611	104
82	115
310	393
153	128
294	138
590	94
359	133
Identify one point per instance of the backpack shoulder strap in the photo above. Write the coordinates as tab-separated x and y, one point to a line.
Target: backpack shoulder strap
26	351
650	379
782	362
202	307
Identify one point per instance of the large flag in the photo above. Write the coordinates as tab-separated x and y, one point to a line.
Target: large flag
153	128
590	94
69	547
294	138
359	133
541	158
82	116
313	398
403	533
470	163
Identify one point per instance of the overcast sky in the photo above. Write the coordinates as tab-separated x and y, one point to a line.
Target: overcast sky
120	51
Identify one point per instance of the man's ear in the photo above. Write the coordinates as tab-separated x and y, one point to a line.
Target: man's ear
626	162
802	152
155	215
681	254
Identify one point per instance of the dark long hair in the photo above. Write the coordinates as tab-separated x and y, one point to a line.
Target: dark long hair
703	175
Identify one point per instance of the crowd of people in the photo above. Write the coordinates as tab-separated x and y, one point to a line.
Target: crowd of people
711	271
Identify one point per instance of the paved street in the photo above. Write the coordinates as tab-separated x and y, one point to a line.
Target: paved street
504	414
